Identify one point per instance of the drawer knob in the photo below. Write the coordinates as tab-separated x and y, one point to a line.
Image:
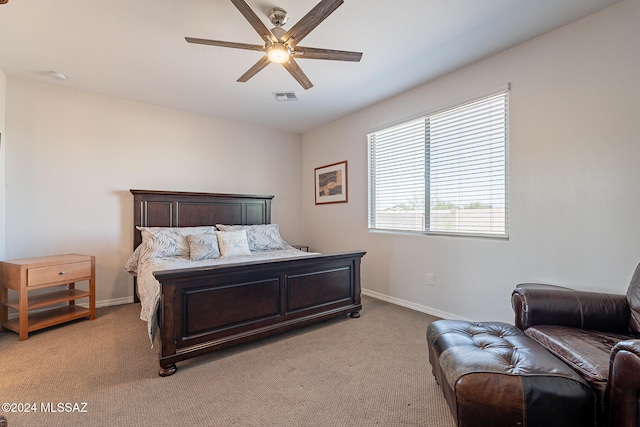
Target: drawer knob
62	272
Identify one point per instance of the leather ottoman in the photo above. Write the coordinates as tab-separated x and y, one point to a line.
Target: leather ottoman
492	374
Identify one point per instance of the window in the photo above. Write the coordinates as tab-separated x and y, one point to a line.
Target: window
444	173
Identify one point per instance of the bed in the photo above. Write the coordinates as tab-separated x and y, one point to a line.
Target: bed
205	308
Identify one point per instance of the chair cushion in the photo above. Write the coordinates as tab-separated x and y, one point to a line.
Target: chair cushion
586	351
633	298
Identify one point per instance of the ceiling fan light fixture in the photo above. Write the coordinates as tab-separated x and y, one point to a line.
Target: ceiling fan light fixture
278	53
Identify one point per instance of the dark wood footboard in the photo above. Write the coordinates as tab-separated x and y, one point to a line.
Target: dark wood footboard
207	309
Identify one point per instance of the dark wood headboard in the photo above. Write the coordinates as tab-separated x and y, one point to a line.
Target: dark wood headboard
185	209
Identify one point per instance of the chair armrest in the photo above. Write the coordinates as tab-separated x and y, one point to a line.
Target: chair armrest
538	304
624	384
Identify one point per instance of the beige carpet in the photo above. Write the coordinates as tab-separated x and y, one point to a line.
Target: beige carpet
371	371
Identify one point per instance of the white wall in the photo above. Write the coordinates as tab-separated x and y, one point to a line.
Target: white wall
72	157
574	175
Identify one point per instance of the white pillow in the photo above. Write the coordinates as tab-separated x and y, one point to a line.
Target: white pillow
233	243
132	263
203	246
261	237
163	242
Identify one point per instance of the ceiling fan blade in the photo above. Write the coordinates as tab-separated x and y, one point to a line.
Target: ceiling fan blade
253	19
332	55
225	44
294	69
263	62
310	21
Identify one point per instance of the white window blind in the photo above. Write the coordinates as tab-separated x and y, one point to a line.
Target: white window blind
445	173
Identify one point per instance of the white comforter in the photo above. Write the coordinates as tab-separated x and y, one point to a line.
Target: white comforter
149	287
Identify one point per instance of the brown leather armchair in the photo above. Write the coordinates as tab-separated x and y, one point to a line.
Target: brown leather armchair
596	334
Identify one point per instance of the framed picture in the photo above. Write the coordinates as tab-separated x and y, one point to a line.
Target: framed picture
331	183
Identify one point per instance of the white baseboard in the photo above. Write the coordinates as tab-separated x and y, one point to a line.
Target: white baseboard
106	302
412	305
114	301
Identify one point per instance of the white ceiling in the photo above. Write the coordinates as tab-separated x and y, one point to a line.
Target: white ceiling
136	49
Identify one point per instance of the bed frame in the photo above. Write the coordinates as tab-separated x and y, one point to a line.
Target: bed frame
209	308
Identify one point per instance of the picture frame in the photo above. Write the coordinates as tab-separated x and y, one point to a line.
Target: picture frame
331	183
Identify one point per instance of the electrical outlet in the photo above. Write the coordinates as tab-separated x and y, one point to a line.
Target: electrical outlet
430	280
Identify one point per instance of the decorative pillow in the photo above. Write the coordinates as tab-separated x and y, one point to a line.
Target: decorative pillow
233	243
633	298
163	242
132	263
203	246
262	237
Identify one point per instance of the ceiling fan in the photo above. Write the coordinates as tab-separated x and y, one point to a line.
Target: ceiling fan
281	46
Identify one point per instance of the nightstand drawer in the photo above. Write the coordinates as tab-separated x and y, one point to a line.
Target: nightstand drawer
63	273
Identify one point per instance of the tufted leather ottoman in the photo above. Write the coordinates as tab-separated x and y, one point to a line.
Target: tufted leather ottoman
491	374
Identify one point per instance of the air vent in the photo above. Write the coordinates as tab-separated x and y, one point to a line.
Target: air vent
286	96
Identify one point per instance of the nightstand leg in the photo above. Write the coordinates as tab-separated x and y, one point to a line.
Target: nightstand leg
92	290
4	316
24	313
71	286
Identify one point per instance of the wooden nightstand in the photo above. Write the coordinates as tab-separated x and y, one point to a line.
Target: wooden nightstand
28	274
